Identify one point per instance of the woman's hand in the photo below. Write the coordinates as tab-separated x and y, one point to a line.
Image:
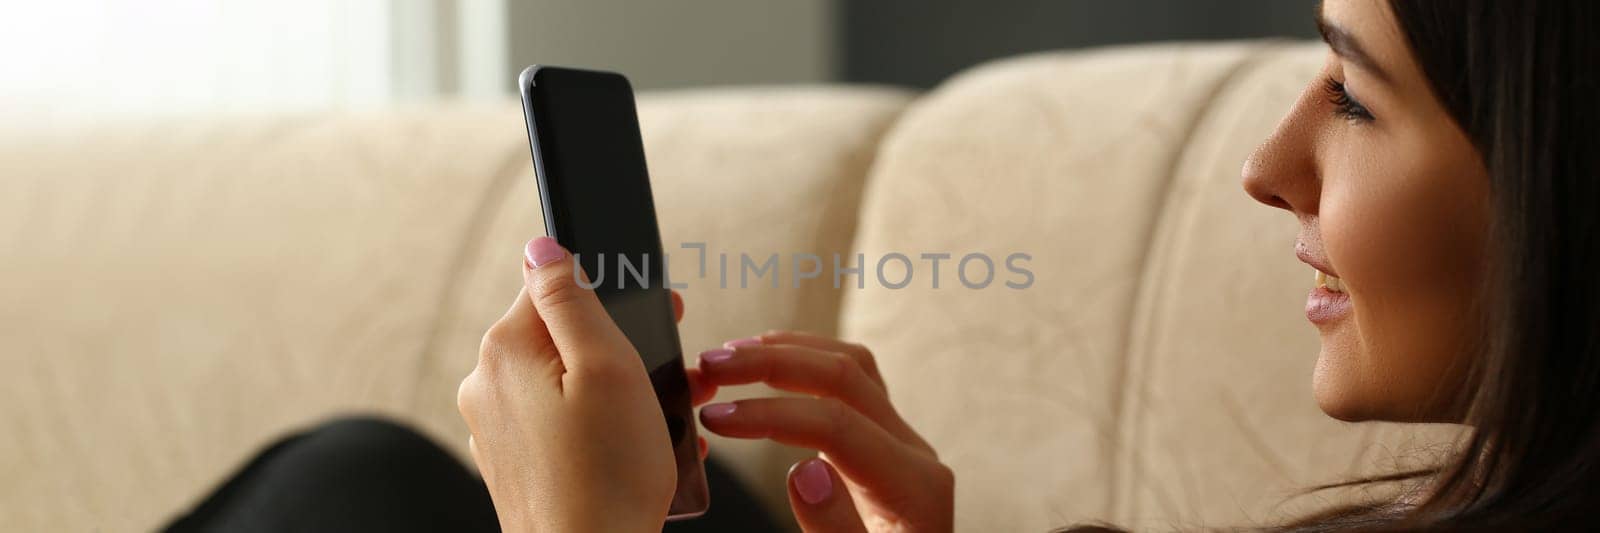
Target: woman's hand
892	479
566	429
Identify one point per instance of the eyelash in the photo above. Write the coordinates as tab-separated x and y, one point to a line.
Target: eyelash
1343	105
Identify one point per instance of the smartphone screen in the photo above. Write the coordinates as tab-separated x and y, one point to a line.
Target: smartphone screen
595	192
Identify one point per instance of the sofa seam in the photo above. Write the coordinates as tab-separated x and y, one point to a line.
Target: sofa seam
865	190
488	208
1126	432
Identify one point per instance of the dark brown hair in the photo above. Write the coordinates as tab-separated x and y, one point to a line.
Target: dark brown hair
1519	78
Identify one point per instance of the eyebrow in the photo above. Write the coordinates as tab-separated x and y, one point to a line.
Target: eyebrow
1346	45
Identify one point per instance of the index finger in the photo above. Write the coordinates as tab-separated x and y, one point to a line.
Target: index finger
860	353
701	390
808	370
861	449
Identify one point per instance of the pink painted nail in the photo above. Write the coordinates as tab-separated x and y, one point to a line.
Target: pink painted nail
717	410
543	251
716	356
740	343
812	481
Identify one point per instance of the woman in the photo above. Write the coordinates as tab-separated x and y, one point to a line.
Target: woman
1442	170
1439	134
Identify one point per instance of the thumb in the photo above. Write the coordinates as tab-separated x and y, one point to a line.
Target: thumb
568	307
819	499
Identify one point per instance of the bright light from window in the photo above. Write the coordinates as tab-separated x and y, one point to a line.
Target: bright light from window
94	57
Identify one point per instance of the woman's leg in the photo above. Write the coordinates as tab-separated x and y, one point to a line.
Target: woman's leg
366	474
357	474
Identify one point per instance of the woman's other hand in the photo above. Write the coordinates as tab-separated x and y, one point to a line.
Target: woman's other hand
874	473
565	426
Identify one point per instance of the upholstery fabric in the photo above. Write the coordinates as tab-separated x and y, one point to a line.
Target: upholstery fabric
1156	374
178	294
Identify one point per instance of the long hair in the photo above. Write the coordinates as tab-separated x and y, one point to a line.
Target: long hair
1519	78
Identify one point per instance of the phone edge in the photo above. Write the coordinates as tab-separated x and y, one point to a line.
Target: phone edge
525	81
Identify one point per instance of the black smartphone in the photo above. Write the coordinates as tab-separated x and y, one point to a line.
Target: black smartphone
595	191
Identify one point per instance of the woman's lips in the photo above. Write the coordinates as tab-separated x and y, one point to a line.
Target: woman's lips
1328	301
1324	306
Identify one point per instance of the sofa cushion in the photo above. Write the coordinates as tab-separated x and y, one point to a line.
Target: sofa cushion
1156	370
179	293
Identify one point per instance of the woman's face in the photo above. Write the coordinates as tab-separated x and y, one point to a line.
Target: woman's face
1392	201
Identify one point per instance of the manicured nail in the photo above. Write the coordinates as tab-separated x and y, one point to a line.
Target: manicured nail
717	410
543	251
739	343
716	356
812	481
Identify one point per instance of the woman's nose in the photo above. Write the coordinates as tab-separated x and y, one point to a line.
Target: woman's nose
1283	171
1258	180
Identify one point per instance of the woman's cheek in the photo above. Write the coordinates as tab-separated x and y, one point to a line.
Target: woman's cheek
1404	251
1349	375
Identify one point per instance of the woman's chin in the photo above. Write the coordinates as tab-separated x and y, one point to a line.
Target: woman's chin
1336	390
1340	408
1351	384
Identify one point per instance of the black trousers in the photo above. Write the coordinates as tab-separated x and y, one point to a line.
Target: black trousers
367	474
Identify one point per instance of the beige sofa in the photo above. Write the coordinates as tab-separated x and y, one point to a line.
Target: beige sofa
176	294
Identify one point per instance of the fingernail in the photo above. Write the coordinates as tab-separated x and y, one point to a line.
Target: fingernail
543	251
747	341
717	410
716	356
812	481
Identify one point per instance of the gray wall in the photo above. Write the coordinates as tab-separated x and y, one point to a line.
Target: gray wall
919	42
678	43
914	43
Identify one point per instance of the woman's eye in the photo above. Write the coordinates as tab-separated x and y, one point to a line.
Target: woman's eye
1343	104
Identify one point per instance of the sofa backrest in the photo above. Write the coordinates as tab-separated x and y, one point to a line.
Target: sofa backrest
1156	372
176	294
